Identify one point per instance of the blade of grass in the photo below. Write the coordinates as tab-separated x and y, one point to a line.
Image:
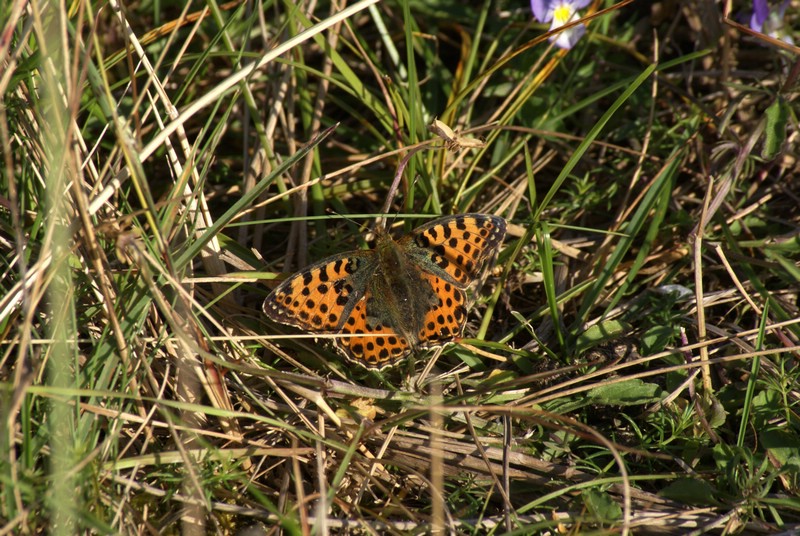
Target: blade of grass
246	200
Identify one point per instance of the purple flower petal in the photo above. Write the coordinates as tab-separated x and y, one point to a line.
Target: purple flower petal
569	37
560	12
770	21
782	8
760	14
542	10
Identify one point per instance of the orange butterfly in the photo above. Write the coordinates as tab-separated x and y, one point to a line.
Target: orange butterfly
399	297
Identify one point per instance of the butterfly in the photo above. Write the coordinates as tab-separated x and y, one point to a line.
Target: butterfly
399	297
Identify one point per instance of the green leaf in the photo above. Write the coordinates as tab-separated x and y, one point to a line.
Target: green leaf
691	491
627	393
600	333
717	414
601	505
765	405
777	117
656	339
782	445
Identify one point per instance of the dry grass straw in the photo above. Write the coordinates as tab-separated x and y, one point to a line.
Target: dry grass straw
649	277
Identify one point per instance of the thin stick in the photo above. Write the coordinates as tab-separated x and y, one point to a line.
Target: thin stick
380	221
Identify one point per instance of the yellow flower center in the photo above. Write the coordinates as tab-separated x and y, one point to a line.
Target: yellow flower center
562	14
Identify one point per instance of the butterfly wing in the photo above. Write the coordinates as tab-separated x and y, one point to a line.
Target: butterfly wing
445	320
368	342
321	297
456	248
331	296
452	252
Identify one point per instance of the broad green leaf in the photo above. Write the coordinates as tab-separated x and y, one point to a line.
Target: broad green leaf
783	446
627	393
693	491
777	118
601	505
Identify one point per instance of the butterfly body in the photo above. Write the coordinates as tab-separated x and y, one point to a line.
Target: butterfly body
397	299
401	296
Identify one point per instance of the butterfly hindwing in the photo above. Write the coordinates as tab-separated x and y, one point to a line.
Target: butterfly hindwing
367	341
444	321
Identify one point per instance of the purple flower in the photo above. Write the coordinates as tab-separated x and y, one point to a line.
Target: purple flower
769	20
560	12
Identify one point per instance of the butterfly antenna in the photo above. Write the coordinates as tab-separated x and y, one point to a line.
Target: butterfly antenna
357	224
452	140
380	223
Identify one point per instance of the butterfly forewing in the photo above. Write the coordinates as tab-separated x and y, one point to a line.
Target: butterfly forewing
319	298
459	245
